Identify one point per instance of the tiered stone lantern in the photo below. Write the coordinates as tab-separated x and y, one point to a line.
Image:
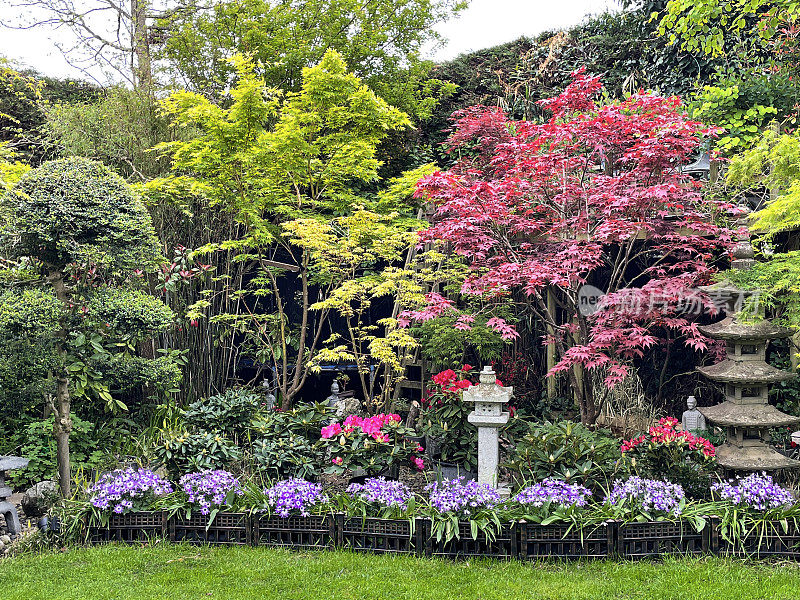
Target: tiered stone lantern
746	414
488	417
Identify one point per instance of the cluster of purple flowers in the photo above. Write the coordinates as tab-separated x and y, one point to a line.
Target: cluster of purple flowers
648	495
119	490
756	491
295	495
553	491
379	490
459	496
209	488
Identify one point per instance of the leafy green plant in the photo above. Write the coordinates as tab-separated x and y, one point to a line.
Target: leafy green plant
564	450
230	413
444	418
182	452
87	451
375	445
305	420
284	442
82	227
286	456
445	345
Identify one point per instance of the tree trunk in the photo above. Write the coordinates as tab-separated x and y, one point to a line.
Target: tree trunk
61	429
143	68
62	425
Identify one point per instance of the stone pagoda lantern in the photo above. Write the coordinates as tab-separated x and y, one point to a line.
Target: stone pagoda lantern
488	417
745	415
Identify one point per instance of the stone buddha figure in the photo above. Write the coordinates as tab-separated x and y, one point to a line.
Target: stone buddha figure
692	419
342	406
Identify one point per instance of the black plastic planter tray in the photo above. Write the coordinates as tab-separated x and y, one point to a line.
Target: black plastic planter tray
639	540
774	542
226	529
133	527
300	533
380	535
505	544
563	541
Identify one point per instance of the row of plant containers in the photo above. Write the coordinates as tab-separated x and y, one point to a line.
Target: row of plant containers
525	541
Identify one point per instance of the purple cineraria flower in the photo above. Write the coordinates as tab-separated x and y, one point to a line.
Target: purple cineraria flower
122	489
292	495
378	490
755	491
459	496
209	489
553	491
648	495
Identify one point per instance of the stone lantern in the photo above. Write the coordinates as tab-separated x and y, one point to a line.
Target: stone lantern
746	414
8	510
488	417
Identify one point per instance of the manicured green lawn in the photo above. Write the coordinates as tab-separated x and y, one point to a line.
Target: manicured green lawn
186	573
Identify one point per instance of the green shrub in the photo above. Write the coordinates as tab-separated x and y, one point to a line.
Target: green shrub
285	444
565	450
78	210
286	456
181	452
229	414
665	452
88	450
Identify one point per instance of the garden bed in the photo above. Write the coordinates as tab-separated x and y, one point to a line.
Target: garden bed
226	529
642	540
133	527
772	541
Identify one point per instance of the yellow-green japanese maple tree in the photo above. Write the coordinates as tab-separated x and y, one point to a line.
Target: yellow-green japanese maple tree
291	180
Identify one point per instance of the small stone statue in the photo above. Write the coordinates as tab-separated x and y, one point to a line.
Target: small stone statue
343	406
331	400
269	397
693	419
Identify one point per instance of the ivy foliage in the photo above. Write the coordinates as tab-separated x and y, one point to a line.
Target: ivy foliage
743	107
709	25
624	47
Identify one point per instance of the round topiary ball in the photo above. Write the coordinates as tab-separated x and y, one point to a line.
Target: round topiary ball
78	210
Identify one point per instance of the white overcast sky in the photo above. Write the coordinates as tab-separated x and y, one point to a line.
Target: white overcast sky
485	23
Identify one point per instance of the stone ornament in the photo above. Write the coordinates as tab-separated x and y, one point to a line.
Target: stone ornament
488	417
692	419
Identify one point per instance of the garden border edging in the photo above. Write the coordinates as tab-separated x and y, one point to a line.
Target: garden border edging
520	540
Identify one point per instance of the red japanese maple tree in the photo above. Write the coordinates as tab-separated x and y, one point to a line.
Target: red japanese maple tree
594	195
